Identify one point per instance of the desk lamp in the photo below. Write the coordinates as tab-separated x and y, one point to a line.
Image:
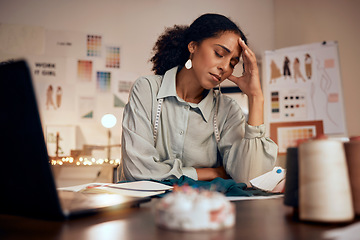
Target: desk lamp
108	121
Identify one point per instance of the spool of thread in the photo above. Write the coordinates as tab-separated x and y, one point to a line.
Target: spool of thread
324	188
291	197
352	151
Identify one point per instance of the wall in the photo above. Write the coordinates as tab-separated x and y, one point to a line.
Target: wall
135	26
308	21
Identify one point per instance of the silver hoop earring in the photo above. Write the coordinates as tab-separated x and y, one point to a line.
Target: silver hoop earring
188	64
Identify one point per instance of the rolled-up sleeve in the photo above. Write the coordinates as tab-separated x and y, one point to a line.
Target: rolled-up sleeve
246	151
140	159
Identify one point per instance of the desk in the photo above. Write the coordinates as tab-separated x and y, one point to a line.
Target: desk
257	219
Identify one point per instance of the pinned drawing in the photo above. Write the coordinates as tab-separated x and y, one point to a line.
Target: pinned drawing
65	43
45	69
54	97
94	45
121	85
325	85
113	57
86	107
308	65
21	40
84	70
275	72
103	81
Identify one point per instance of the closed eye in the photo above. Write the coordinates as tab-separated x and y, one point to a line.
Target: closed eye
218	55
233	61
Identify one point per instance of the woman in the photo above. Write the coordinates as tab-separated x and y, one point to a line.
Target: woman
297	72
176	124
308	63
286	67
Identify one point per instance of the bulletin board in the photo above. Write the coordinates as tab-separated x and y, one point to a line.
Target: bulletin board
302	84
77	77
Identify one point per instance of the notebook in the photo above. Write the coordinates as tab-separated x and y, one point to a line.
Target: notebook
27	184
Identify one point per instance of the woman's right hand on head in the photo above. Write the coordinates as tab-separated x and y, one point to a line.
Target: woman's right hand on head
249	82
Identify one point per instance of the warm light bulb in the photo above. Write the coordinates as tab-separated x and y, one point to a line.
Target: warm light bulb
108	120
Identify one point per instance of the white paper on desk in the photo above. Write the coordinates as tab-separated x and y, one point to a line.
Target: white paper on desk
131	193
142	186
135	189
78	188
254	197
351	232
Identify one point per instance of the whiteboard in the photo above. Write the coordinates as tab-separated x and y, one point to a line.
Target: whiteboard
303	83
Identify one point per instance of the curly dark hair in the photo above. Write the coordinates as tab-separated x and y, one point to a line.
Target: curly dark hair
171	48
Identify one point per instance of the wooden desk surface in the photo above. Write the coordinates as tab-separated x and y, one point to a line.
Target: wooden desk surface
257	219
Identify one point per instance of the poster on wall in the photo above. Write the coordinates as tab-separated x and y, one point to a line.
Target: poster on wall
121	87
55	97
21	40
65	44
44	68
112	57
76	75
303	83
84	70
94	45
287	134
86	108
103	81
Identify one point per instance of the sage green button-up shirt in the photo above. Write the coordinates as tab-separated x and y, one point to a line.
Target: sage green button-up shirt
185	138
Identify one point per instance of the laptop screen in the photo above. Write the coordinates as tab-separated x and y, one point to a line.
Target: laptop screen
28	187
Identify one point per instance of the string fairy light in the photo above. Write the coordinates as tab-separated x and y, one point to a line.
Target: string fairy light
83	161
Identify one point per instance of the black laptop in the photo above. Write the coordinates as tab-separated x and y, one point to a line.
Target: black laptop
27	184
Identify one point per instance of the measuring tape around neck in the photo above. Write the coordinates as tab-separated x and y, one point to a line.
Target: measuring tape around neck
158	112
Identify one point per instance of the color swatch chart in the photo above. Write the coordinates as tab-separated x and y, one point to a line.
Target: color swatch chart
113	57
103	81
294	105
93	45
288	136
275	106
84	70
288	105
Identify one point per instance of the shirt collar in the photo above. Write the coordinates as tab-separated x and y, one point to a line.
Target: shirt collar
168	89
168	84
